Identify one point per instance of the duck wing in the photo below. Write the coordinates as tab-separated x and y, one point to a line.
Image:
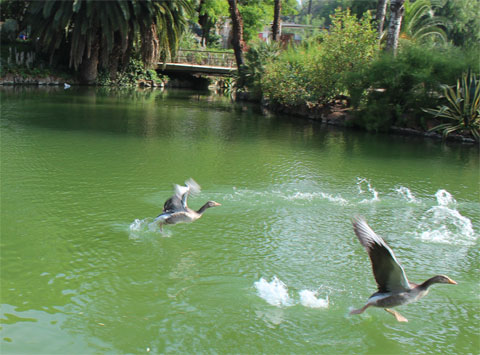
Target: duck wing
178	202
388	273
173	204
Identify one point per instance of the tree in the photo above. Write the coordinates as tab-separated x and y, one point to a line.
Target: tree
100	33
396	15
380	15
209	13
321	10
420	22
237	33
463	21
276	20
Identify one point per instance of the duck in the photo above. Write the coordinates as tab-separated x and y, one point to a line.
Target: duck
175	209
394	289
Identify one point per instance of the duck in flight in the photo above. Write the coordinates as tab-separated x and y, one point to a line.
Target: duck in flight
175	209
394	289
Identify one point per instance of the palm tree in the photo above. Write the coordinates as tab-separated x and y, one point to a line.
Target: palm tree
99	33
380	15
420	23
277	8
396	15
237	33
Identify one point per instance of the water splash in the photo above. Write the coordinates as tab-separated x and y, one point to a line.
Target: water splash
360	182
445	198
314	195
274	292
406	194
444	223
309	299
145	226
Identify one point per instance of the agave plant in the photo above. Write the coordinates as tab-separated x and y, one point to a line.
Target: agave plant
463	108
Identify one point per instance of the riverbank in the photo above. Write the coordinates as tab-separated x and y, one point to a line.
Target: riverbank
339	113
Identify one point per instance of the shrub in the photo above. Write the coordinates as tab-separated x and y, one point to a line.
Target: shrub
392	91
316	72
462	109
259	54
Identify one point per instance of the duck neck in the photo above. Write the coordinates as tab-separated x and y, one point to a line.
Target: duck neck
426	284
202	209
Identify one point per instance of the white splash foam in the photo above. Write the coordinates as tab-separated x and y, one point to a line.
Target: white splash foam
314	195
444	224
445	198
274	292
370	189
309	299
144	226
406	194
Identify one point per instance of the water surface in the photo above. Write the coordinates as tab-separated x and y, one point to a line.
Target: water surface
275	269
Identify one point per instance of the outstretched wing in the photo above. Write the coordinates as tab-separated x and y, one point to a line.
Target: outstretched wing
388	273
178	202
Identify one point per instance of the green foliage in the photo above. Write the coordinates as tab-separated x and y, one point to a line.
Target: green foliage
315	72
463	26
259	13
255	16
462	109
8	31
393	91
115	27
11	9
259	54
130	76
320	11
420	24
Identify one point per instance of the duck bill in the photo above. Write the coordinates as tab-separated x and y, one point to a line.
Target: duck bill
450	281
217	204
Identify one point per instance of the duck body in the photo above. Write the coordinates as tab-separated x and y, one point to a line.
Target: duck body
394	289
175	209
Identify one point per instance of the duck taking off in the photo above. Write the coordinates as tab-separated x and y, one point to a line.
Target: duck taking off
175	209
394	289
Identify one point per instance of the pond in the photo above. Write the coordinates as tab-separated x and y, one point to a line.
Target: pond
275	269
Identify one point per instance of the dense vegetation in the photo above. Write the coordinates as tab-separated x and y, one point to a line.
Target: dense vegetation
341	55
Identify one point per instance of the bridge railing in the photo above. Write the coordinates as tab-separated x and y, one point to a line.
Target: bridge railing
202	57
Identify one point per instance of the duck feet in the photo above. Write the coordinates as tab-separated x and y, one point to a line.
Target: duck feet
361	310
397	315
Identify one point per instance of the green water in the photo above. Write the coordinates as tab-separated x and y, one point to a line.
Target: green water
83	270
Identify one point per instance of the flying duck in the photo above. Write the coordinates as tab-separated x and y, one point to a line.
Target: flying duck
175	209
394	289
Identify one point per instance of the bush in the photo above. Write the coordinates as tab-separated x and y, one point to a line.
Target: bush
134	71
392	91
259	54
462	107
316	71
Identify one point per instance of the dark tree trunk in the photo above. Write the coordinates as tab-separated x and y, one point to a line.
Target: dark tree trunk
237	33
276	20
88	69
396	16
203	22
380	15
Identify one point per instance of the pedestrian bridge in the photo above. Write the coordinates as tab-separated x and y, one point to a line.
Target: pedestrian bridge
201	62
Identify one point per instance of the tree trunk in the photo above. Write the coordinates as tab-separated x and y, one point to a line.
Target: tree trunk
203	22
380	15
237	33
396	16
89	67
276	20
